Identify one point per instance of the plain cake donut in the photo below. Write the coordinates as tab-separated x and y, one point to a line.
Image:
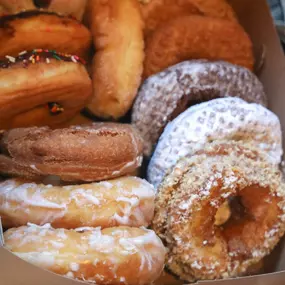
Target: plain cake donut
165	95
79	153
218	119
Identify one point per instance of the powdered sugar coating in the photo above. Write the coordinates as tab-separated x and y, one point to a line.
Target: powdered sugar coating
168	93
219	119
94	255
125	201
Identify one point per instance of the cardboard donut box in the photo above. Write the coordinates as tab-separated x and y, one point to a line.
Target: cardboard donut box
255	16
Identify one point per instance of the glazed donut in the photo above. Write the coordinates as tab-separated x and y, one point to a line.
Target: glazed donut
193	194
219	119
42	87
80	153
158	12
127	201
165	95
120	255
197	37
73	8
43	30
118	62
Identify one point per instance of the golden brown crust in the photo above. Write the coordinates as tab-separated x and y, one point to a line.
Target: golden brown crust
127	201
196	37
79	153
118	62
24	103
33	29
192	195
158	12
118	256
75	8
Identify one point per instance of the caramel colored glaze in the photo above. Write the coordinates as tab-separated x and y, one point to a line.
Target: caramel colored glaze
195	190
46	30
80	153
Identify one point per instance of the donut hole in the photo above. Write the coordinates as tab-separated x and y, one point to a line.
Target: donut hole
42	3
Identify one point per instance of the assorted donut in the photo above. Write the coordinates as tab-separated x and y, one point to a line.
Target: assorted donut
136	137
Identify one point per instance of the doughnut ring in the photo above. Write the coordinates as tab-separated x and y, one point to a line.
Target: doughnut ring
43	30
42	87
75	8
127	201
165	95
158	12
219	119
119	255
80	153
118	61
193	194
197	37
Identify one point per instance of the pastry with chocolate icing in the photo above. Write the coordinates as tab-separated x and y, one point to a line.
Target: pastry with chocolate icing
42	87
74	8
43	30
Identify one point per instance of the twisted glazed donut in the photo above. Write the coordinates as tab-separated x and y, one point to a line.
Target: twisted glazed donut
118	62
119	255
80	153
127	201
42	87
73	8
219	119
193	195
158	12
197	37
165	95
43	30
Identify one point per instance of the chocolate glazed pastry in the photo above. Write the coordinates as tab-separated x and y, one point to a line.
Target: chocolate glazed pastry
40	29
81	153
165	95
42	88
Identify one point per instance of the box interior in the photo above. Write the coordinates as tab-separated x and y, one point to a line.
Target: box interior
255	16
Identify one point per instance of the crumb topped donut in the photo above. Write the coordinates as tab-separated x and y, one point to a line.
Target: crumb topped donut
79	153
165	95
203	240
196	37
42	87
224	118
119	255
43	30
118	62
127	201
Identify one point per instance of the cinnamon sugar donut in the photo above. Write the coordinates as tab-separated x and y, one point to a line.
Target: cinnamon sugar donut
118	61
43	30
42	87
225	118
127	201
193	194
73	8
80	153
120	255
158	12
197	37
165	95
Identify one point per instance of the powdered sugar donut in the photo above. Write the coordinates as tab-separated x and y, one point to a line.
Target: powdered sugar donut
165	95
219	119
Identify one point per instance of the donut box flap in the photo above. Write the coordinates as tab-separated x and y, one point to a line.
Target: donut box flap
255	17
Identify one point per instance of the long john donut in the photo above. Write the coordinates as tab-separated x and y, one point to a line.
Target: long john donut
165	95
127	201
194	194
119	255
43	30
80	153
42	88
